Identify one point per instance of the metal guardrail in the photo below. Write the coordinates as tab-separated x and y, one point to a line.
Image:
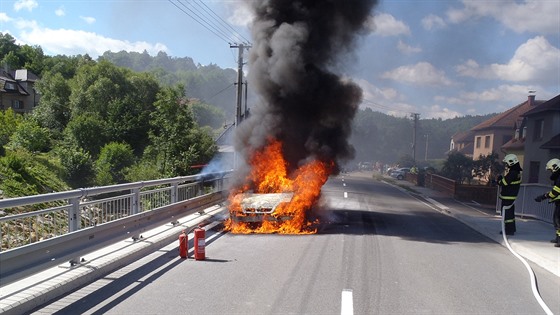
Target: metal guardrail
86	225
526	206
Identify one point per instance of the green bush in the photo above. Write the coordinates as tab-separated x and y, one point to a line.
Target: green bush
114	160
30	136
77	165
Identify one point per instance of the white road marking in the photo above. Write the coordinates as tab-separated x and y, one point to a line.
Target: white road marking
345	194
347	304
343	184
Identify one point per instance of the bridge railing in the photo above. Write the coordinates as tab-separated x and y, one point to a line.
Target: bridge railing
69	224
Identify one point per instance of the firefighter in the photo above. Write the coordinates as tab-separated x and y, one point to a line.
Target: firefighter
554	196
509	185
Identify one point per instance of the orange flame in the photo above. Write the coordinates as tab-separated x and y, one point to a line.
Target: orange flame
269	175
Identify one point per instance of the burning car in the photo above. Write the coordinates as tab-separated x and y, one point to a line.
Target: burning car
272	201
261	207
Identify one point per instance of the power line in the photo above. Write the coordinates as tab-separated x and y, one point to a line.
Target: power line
239	37
220	91
199	20
384	107
207	18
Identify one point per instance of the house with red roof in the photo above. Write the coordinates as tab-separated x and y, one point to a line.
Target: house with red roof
462	142
492	134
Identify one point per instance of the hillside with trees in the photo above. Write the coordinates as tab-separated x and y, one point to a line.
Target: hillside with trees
98	124
380	137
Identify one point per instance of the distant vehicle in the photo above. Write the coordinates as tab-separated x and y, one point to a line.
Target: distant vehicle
366	166
400	173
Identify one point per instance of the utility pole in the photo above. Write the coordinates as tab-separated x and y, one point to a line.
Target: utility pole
415	117
238	117
426	155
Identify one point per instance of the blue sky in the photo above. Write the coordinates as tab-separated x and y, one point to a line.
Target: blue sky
438	58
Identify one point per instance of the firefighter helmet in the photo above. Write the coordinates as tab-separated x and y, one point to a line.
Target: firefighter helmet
511	159
553	165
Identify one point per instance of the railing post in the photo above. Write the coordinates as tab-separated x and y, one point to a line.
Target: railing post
135	200
523	197
74	222
174	192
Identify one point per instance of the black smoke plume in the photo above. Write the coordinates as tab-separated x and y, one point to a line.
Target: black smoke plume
297	45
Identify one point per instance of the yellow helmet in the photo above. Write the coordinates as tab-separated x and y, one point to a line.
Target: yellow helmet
511	159
553	165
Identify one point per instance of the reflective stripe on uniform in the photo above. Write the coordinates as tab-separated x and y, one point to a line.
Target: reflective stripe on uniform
508	197
509	221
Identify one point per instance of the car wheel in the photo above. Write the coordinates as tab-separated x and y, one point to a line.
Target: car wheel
400	177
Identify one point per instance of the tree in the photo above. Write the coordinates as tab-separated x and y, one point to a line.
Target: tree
177	142
11	60
208	115
77	164
457	167
53	111
31	137
87	131
32	58
119	97
7	44
487	167
112	164
63	65
9	121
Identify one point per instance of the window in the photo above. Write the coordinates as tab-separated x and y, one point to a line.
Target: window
539	129
9	86
534	168
524	133
487	142
478	140
17	104
516	134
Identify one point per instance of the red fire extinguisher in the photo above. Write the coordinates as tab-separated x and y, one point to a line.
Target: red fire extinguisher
183	244
199	243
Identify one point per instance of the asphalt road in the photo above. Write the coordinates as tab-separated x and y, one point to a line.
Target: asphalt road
378	250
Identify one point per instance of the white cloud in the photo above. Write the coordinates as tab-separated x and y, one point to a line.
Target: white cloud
432	22
28	5
76	42
509	95
422	73
502	97
387	100
535	16
407	49
4	18
60	11
472	69
534	61
437	111
386	25
88	19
